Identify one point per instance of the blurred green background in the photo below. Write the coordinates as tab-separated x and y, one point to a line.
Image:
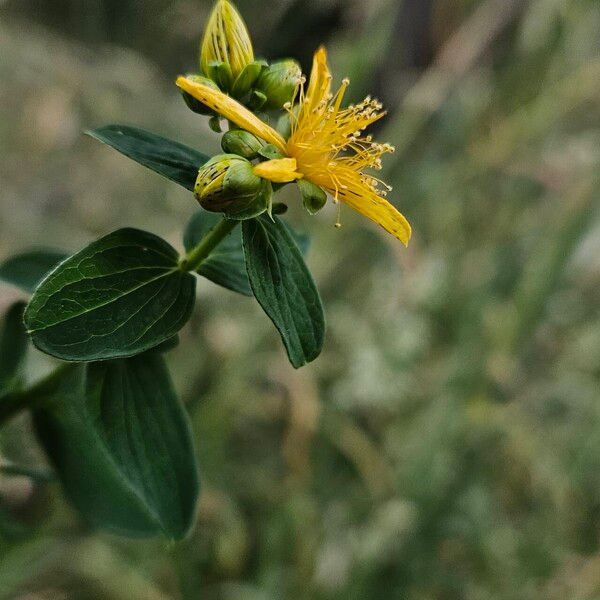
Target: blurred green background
446	445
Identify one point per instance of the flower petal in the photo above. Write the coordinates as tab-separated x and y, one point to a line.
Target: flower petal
232	110
279	170
380	211
319	85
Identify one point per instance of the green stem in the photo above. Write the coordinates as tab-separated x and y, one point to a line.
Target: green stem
16	402
207	244
37	475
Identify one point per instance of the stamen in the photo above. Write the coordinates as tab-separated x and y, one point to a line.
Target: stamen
338	221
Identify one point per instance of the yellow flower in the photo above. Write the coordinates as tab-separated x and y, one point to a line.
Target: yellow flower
327	145
226	40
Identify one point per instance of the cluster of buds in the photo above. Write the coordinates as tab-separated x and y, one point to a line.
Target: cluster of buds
319	143
227	183
227	62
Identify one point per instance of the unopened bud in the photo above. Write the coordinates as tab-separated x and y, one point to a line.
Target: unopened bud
227	184
242	143
278	82
247	78
257	101
194	104
226	40
220	73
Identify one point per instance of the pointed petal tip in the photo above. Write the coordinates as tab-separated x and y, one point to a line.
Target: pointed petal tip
321	52
408	235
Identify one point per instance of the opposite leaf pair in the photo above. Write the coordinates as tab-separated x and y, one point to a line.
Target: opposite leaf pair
128	292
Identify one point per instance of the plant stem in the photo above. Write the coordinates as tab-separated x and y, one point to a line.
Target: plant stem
37	475
16	402
207	244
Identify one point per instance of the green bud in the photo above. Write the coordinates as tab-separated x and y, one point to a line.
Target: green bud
246	79
194	104
278	82
257	100
227	184
215	123
270	152
313	197
220	73
242	143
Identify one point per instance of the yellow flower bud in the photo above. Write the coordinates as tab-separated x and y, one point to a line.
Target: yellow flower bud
226	40
227	184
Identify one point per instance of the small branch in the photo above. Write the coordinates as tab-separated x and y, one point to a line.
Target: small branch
37	475
207	244
16	402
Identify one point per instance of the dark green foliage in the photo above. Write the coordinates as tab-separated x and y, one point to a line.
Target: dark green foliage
26	270
121	295
121	444
284	287
13	346
172	160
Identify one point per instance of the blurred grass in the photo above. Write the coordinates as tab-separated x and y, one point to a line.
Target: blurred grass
446	446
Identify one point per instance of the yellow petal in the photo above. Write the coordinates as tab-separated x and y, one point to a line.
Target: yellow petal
319	85
232	110
279	170
380	211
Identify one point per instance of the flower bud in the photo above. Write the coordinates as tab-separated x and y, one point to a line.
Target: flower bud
226	40
227	184
278	82
247	78
220	73
257	101
243	143
194	104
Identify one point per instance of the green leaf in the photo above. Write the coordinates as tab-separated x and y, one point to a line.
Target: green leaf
167	345
314	198
27	269
226	265
302	239
121	444
172	160
284	287
119	296
13	347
